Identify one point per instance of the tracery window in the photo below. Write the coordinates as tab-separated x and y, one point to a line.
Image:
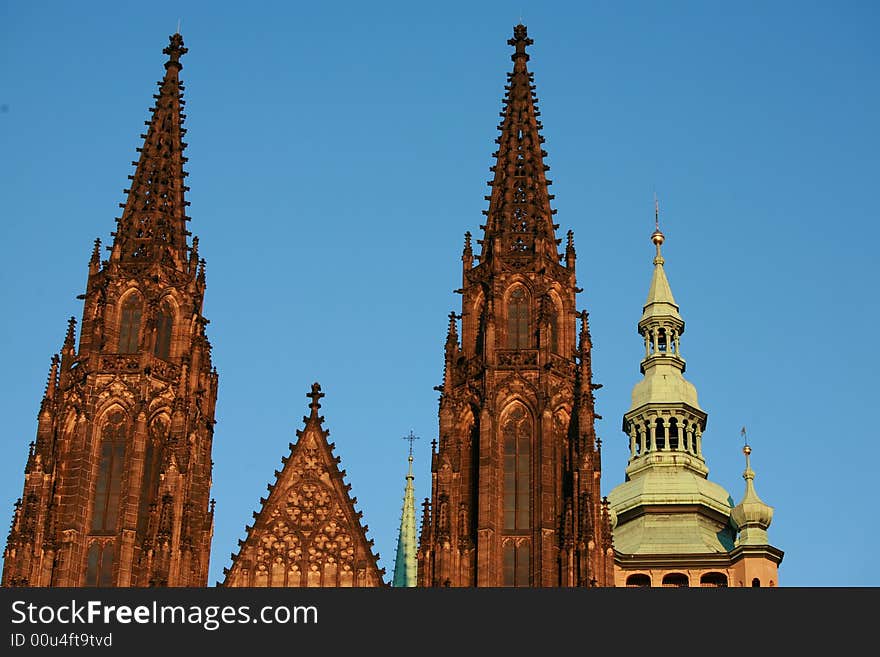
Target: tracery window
517	434
130	325
111	455
516	563
164	324
99	564
518	320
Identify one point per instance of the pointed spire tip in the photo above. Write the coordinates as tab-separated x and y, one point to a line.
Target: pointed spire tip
175	50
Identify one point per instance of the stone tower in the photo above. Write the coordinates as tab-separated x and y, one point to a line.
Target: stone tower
673	526
307	532
515	497
117	483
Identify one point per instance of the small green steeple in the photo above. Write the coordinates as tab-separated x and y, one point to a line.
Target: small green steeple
751	516
405	560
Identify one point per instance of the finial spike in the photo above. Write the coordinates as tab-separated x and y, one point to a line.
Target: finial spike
747	450
657	236
656	213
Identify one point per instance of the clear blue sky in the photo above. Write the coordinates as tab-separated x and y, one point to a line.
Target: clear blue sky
339	151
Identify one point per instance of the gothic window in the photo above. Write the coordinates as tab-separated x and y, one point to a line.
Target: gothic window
638	580
517	434
150	476
111	455
518	320
164	324
714	579
99	564
130	325
554	332
675	579
516	563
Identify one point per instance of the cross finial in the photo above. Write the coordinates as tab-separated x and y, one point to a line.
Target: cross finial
315	395
411	438
519	41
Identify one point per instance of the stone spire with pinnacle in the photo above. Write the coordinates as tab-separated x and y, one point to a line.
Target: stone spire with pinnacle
153	222
405	565
515	481
519	221
118	488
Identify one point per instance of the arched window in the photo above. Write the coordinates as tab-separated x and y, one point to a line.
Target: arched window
661	340
150	477
675	579
714	579
518	320
517	436
674	442
756	583
164	324
638	580
99	564
130	325
660	434
516	563
111	455
554	333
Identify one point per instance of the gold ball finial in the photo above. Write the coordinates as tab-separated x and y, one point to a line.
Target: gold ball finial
747	450
657	237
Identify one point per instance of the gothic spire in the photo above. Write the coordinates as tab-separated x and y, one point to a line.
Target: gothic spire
405	560
519	219
153	222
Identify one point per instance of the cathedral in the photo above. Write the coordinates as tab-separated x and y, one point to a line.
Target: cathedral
117	482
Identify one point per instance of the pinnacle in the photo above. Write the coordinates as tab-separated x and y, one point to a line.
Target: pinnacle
71	333
519	218
153	222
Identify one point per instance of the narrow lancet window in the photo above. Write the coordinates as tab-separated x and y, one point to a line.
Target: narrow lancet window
517	434
164	324
516	563
518	320
111	455
99	564
130	325
554	333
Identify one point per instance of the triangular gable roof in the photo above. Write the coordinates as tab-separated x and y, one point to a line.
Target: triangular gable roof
307	532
